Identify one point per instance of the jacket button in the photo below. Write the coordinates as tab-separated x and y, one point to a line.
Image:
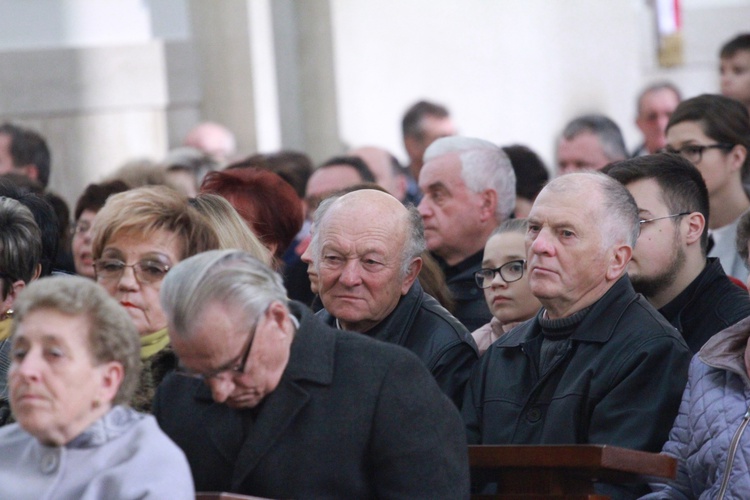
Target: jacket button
534	414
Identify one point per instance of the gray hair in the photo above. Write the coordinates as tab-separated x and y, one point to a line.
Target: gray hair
484	165
224	276
112	336
414	243
607	131
20	243
619	212
654	87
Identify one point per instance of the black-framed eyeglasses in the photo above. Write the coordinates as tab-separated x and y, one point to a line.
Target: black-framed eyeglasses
645	221
509	272
694	152
146	271
234	369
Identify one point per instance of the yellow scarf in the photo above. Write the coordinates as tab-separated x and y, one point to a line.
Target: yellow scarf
5	328
153	343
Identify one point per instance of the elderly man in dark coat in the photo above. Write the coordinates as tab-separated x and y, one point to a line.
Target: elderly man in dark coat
598	364
367	249
277	404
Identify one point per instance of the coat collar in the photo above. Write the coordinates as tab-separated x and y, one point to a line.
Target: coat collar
311	360
726	349
598	325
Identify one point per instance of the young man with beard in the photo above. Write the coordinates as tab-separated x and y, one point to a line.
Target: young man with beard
669	265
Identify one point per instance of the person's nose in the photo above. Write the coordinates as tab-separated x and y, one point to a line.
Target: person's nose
498	281
423	208
30	366
351	274
542	243
221	388
306	256
127	280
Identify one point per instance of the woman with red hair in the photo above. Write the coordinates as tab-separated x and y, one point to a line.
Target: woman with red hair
269	205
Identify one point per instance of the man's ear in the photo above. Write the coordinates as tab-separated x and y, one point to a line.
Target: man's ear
411	274
696	225
488	204
621	255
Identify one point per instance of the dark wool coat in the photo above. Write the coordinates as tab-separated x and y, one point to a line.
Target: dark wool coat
351	418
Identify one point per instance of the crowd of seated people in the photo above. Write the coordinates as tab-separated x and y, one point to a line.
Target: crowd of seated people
263	327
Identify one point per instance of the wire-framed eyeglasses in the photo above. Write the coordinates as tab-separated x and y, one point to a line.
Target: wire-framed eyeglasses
646	221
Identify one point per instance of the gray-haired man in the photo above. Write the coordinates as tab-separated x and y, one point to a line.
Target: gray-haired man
277	404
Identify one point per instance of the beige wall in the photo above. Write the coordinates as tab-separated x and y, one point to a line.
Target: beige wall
111	81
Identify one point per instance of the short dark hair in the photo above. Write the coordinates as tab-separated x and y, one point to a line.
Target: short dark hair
20	244
661	85
44	216
605	129
740	42
411	124
743	236
95	195
28	147
292	166
531	173
722	119
353	161
682	185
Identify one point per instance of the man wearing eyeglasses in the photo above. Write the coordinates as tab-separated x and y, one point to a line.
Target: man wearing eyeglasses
271	402
669	265
598	364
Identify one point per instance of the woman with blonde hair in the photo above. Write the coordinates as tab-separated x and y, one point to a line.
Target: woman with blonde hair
139	235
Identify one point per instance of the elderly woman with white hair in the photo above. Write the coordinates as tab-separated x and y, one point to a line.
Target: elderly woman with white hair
75	364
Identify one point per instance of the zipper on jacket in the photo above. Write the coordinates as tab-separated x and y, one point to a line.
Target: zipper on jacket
731	453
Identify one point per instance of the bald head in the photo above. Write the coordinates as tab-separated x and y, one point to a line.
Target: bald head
367	247
384	167
213	139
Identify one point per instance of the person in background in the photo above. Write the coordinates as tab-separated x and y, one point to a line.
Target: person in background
656	103
735	69
589	142
74	367
669	265
230	228
89	203
213	139
531	176
139	235
20	262
469	188
713	133
269	206
25	152
423	123
505	283
186	167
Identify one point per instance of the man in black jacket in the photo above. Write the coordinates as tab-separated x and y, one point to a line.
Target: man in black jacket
271	402
669	265
469	189
598	364
367	248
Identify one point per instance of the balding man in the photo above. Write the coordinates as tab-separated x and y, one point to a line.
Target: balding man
385	167
589	142
366	249
469	189
656	103
598	364
213	139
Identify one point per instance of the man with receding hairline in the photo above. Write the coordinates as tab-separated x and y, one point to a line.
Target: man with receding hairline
366	249
598	364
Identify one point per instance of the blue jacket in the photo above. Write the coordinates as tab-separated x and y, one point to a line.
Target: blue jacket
714	413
